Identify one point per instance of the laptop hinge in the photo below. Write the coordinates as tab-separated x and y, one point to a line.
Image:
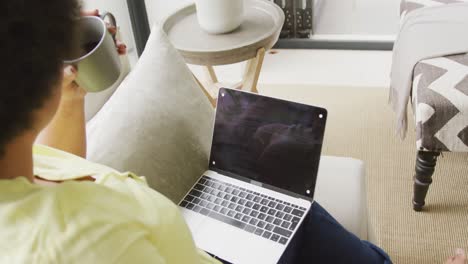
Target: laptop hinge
263	185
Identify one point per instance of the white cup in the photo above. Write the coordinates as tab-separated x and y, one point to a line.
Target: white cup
220	16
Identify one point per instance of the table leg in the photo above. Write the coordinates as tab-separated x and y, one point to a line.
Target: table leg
252	71
249	80
205	91
211	74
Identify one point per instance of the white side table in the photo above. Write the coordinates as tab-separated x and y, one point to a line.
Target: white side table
257	34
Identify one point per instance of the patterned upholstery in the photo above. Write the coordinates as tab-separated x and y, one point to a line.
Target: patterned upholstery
440	95
440	103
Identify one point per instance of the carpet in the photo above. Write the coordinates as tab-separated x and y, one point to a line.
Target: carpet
361	125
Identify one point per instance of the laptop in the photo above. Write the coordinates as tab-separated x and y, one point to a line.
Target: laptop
259	186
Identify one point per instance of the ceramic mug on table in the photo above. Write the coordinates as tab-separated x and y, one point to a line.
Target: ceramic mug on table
97	61
220	16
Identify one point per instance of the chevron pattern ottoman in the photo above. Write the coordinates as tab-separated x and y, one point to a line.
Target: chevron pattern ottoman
440	103
440	107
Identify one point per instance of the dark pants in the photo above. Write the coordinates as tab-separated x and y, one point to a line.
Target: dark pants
321	239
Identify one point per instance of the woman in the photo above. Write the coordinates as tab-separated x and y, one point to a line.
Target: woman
58	208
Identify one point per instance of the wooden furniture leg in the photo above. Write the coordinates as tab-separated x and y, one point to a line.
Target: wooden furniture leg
211	74
210	87
249	81
425	166
206	92
252	72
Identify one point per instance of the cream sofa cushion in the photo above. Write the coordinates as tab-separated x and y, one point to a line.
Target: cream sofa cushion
341	189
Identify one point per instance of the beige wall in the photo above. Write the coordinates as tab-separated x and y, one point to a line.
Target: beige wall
159	9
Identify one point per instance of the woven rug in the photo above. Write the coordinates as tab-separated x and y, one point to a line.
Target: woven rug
361	125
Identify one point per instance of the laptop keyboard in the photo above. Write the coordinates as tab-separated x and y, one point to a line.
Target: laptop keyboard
250	211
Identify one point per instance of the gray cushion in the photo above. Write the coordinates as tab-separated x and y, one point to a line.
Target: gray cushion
157	124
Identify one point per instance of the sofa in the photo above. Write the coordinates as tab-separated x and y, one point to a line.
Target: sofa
157	123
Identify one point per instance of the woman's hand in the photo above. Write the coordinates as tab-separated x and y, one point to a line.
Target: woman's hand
121	47
459	258
71	91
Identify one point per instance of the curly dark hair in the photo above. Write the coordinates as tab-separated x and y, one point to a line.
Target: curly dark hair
36	37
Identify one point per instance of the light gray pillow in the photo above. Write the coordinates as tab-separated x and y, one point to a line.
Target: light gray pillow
157	124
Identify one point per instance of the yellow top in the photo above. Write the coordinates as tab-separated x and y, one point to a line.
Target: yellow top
116	219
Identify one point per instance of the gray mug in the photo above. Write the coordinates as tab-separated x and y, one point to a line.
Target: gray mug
98	61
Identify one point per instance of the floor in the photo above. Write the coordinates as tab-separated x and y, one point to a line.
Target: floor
361	125
342	68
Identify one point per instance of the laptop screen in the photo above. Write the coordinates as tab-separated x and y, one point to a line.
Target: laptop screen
268	140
